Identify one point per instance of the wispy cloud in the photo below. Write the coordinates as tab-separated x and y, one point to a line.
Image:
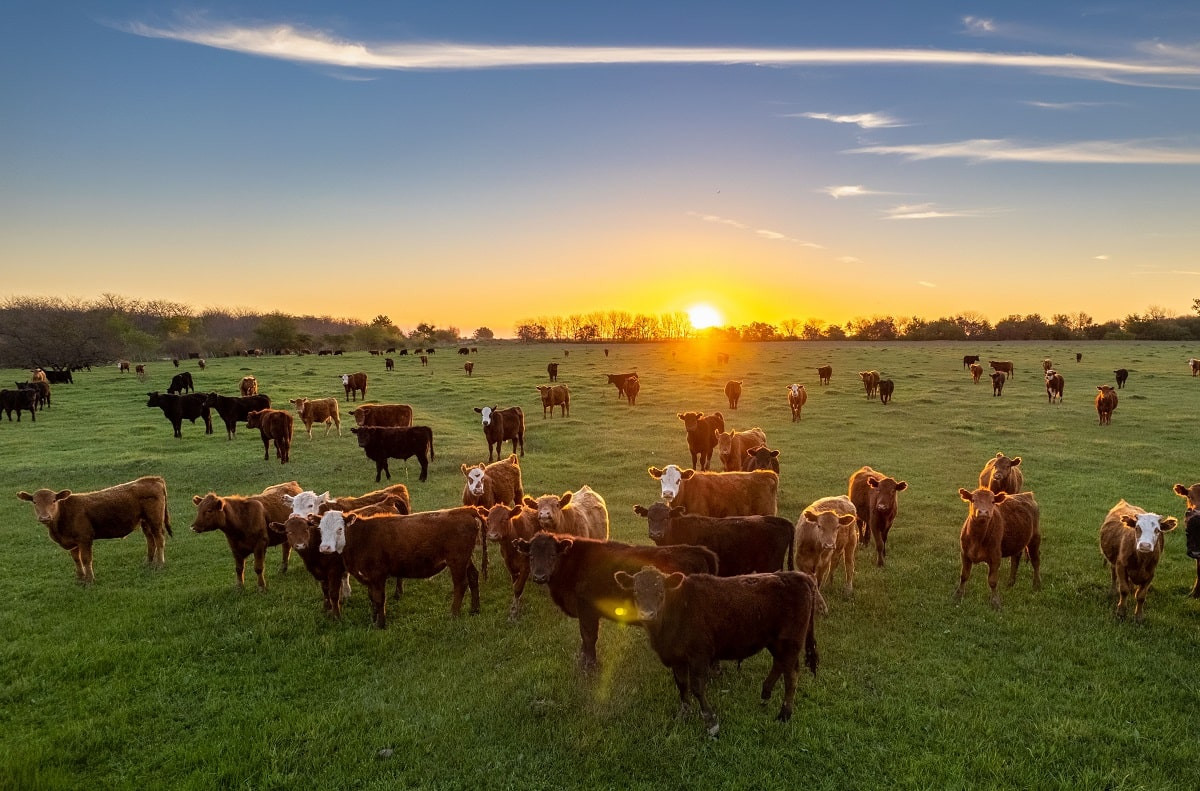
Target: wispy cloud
862	120
926	283
978	26
849	259
1111	152
851	191
719	220
294	43
765	233
928	211
1066	105
1100	257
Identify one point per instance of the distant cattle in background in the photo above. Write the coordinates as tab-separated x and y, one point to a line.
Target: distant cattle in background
619	381
469	368
606	352
968	359
633	386
702	433
275	426
797	398
200	362
175	361
140	370
824	373
59	377
355	383
390	350
722	358
552	370
123	366
248	386
193	355
402	353
182	383
1122	375
424	360
464	350
389	364
733	392
1078	356
1054	386
1004	366
430	351
177	408
1047	364
976	372
233	409
997	383
732	447
1106	403
500	425
566	353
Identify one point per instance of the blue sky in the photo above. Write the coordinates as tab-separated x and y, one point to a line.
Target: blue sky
471	164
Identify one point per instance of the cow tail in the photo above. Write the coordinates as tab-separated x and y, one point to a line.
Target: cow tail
483	566
167	520
811	656
431	456
791	550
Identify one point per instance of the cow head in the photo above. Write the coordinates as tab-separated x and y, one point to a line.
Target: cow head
649	588
297	530
211	399
544	392
981	503
725	443
1190	493
210	513
884	491
45	503
345	380
794	390
487	413
1191	518
672	479
306	503
1148	530
762	458
498	520
255	419
691	420
659	518
1106	390
549	509
298	403
333	531
363	433
155	399
1001	466
544	551
475	477
826	524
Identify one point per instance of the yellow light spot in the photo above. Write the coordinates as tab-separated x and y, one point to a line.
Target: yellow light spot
704	316
620	612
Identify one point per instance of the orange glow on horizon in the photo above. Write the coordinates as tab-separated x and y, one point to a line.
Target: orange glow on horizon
704	316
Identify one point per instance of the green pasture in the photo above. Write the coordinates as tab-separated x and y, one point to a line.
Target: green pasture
176	679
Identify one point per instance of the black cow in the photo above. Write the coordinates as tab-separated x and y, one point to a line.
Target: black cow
970	358
59	377
381	443
464	350
177	407
181	383
234	409
19	400
41	392
1122	375
402	353
886	388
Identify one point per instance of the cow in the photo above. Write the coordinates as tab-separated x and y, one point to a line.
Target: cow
474	350
201	363
632	387
430	351
999	526
469	368
970	359
412	546
390	350
797	398
504	525
464	350
870	380
1047	364
1191	518
579	573
123	366
381	443
552	370
19	400
182	383
178	407
722	358
390	415
997	383
245	522
424	360
719	493
1054	386
702	433
1131	540
733	392
886	388
327	569
175	361
139	370
396	493
1106	403
1002	474
732	447
876	502
59	377
248	386
583	513
1122	375
742	544
824	373
318	410
1079	357
826	534
618	380
76	520
1194	364
566	352
762	458
1003	366
500	425
274	426
694	621
389	365
555	395
40	389
606	352
492	484
976	372
355	383
234	409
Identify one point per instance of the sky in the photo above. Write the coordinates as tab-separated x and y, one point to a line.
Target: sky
471	164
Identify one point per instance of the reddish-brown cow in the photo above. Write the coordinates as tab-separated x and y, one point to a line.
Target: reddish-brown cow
999	526
875	500
1002	474
719	493
1131	540
1106	403
245	522
274	425
702	433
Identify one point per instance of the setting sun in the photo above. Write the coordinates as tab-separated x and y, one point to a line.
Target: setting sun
704	316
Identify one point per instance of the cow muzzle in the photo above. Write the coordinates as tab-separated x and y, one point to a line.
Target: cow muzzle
327	550
1144	547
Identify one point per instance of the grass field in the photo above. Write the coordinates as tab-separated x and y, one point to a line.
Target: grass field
175	679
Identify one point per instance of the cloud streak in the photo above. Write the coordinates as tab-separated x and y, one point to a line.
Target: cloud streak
765	233
851	191
928	211
862	120
1093	152
294	43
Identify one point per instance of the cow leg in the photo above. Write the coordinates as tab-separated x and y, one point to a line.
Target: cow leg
177	424
473	586
1139	607
520	438
680	672
994	581
1195	594
345	585
208	424
85	557
458	576
880	545
768	685
286	549
424	462
239	568
266	447
698	675
378	594
589	631
80	573
791	673
399	591
1122	591
1012	576
520	577
963	576
1035	559
260	564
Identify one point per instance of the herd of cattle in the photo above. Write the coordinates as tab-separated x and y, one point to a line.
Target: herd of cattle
725	578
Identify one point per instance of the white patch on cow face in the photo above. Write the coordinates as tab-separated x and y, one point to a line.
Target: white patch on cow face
1147	532
345	380
672	481
795	390
486	412
475	481
333	533
307	503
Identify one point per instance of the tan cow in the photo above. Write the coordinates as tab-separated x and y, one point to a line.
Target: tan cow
318	410
870	381
999	526
1131	540
274	426
1002	366
555	396
1002	474
732	447
719	493
582	513
248	386
245	521
733	392
386	415
976	372
825	535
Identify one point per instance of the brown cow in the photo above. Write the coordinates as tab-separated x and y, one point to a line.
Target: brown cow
318	410
632	387
504	525
997	383
732	447
328	570
500	425
386	415
976	372
75	520
245	522
797	398
248	386
875	499
1002	474
491	484
733	392
555	396
552	370
396	491
469	368
719	493
824	373
274	425
1054	386
1047	364
1191	518
123	366
140	370
762	458
1131	540
619	381
870	380
825	535
742	544
355	383
1106	402
968	359
1003	366
1193	363
694	621
999	526
583	513
424	360
579	573
701	435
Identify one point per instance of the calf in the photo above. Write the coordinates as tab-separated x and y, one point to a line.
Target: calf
1106	403
176	408
552	370
389	364
733	392
742	544
463	350
824	373
970	359
1194	364
632	387
382	443
583	513
19	400
1191	519
1079	357
976	372
997	383
825	535
1054	386
1002	474
702	433
1047	364
886	387
694	621
870	380
40	390
1122	375
234	409
503	526
1002	366
414	546
762	458
355	383
424	360
555	396
719	493
500	425
876	502
499	482
318	410
75	520
469	368
732	447
392	415
123	366
274	425
999	526
201	363
326	569
248	386
579	573
619	381
245	522
140	371
1131	540
797	397
181	383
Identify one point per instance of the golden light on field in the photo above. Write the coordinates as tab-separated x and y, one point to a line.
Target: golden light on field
704	316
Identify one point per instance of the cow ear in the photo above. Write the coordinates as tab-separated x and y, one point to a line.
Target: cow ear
901	486
686	474
673	581
624	580
529	502
641	510
276	527
810	515
964	494
515	511
999	497
679	415
288	499
1181	490
1167	524
774	454
846	519
313	520
481	512
521	545
873	482
25	496
564	545
1128	520
324	497
480	411
62	495
566	498
655	472
678	510
196	499
349	519
1016	460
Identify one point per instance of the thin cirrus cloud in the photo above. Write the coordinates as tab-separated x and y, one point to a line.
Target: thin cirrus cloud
765	233
1066	105
861	120
851	191
928	211
926	283
294	43
978	26
1101	152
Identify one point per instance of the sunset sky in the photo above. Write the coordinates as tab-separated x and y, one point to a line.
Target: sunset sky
474	163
